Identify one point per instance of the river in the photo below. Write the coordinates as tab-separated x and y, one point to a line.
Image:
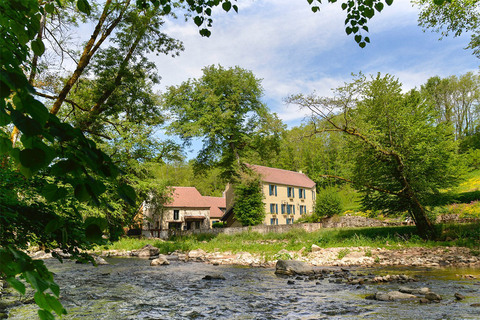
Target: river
130	288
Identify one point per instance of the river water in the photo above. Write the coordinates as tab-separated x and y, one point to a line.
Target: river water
130	288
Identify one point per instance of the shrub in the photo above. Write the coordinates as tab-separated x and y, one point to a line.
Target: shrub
328	203
218	225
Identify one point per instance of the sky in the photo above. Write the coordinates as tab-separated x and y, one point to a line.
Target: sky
294	50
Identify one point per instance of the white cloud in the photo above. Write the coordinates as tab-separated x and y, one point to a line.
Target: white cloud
296	51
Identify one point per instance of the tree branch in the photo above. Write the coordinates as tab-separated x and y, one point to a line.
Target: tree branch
90	48
73	103
397	193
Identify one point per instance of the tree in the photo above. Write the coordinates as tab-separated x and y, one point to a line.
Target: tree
457	101
398	150
70	164
452	17
249	208
223	108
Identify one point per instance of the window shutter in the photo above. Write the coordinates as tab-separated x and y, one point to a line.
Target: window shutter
275	190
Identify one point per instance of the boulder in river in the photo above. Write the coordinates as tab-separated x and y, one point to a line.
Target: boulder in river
394	296
432	296
293	267
421	291
147	251
459	296
99	260
160	261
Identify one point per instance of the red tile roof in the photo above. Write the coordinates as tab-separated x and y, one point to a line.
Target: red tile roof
285	177
216	204
187	197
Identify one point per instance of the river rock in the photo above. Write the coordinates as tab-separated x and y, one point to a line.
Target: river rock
292	267
433	296
40	255
421	291
213	277
197	255
459	296
423	301
393	296
160	261
99	260
315	248
146	251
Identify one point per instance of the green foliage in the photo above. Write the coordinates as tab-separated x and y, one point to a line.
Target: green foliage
218	225
400	154
249	209
327	203
455	100
473	159
452	17
358	15
223	108
343	253
270	244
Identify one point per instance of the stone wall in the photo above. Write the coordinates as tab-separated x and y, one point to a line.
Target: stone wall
455	218
335	222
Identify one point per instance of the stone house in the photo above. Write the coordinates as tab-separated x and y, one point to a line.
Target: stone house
217	208
187	210
288	195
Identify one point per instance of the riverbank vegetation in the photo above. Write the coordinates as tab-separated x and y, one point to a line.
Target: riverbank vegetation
464	235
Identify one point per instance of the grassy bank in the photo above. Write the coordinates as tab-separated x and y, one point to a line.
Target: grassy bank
466	235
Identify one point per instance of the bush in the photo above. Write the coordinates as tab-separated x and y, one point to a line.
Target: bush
473	159
218	225
328	203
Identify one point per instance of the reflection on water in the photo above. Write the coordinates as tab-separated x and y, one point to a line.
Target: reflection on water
131	289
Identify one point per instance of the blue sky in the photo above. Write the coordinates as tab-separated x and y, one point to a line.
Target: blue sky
296	51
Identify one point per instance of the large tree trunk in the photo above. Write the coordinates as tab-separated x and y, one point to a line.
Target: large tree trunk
424	225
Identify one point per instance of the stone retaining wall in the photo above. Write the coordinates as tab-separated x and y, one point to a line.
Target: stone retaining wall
335	222
454	218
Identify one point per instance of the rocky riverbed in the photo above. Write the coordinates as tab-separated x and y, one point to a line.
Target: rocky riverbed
317	256
131	288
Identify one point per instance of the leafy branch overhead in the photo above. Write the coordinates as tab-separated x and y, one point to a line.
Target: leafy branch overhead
359	12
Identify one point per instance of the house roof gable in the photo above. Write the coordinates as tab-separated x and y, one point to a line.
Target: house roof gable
187	197
216	204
